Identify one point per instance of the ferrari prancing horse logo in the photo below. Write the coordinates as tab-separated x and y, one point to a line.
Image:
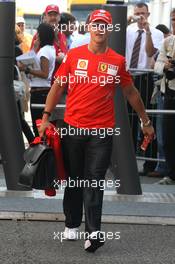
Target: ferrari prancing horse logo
102	67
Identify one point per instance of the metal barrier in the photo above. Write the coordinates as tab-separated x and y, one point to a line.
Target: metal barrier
144	81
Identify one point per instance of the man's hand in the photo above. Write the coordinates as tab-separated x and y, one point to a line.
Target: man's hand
168	65
21	66
148	131
42	128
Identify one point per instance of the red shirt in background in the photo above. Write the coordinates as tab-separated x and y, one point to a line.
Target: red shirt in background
92	80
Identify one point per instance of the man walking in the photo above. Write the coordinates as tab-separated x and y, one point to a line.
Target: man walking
92	72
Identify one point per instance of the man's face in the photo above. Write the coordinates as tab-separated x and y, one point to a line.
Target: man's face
173	21
142	11
99	31
21	25
52	18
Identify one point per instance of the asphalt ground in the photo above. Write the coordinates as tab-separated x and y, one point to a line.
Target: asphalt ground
29	242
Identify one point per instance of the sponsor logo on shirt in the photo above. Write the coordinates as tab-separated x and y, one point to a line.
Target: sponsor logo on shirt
81	73
107	68
102	67
112	69
82	64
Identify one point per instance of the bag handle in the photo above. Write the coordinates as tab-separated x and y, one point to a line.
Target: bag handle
18	73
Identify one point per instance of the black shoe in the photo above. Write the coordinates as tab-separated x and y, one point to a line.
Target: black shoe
95	240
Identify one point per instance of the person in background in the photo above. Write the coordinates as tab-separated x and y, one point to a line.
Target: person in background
142	42
52	17
150	39
27	38
164	29
24	125
82	39
165	65
161	168
68	26
41	79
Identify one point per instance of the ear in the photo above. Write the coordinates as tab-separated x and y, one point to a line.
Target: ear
148	14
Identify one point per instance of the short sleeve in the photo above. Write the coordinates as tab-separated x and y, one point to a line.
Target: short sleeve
125	76
44	52
64	68
157	38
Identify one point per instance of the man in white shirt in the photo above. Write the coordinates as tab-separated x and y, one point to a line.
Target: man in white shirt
151	38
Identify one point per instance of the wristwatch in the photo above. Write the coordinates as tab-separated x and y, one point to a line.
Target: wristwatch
47	113
148	123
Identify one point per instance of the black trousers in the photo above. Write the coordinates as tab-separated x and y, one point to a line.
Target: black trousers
37	97
169	134
86	158
24	125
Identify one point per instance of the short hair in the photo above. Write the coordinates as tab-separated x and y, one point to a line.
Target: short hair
142	4
46	34
163	28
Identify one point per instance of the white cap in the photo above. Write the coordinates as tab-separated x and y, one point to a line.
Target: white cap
20	20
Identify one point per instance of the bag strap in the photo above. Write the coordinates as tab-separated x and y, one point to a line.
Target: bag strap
18	73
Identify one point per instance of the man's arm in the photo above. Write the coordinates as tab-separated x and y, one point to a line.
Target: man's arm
136	102
149	46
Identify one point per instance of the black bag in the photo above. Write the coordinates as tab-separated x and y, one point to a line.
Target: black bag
39	171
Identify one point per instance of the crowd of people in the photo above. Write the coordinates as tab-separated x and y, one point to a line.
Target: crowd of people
63	50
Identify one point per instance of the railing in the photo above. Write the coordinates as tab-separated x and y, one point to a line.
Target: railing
144	81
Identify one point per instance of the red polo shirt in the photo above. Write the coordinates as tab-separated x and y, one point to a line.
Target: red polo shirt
92	80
